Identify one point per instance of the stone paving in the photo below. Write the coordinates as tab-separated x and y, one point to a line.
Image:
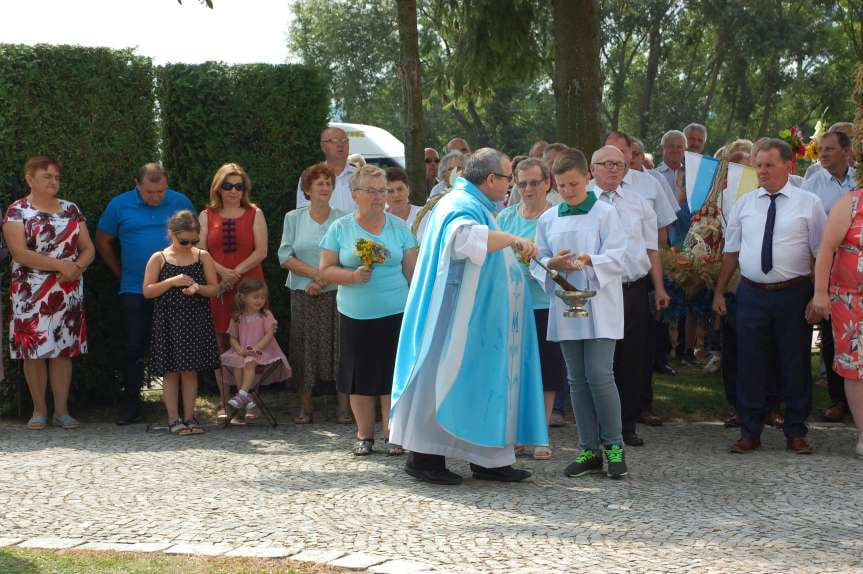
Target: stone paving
687	505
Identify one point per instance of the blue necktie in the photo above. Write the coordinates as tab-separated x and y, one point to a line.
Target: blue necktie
767	242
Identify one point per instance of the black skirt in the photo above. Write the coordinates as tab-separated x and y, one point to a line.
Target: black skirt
550	356
367	354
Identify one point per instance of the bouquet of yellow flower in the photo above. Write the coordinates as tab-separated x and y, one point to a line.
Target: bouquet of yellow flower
370	252
815	140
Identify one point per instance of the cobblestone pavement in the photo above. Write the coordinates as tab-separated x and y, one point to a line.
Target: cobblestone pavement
687	505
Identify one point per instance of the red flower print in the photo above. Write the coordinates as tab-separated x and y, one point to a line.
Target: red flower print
46	286
69	286
25	336
53	305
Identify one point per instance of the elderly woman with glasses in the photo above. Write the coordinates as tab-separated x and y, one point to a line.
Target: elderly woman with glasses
370	254
235	234
534	183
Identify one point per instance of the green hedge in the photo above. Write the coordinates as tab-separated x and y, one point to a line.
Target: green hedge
93	109
266	118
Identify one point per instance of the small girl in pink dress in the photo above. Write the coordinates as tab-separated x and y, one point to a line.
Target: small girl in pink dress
254	350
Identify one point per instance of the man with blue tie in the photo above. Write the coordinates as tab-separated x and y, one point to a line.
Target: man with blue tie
773	234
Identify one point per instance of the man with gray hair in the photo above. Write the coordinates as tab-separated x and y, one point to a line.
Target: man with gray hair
336	148
467	381
696	137
639	163
458	144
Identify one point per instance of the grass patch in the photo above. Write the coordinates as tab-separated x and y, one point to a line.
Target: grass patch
693	395
25	561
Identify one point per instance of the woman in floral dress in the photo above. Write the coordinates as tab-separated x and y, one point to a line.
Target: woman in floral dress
842	297
50	248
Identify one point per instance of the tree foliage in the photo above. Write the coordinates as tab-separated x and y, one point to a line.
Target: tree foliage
745	68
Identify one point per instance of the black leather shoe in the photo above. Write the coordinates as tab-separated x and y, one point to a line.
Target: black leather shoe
665	370
632	439
125	419
434	476
501	473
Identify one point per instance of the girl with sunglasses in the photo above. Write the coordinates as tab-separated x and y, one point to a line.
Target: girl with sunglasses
235	234
182	278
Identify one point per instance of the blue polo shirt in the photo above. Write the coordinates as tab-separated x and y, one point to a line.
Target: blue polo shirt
142	230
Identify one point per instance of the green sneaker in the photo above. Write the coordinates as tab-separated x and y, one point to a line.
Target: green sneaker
586	463
616	463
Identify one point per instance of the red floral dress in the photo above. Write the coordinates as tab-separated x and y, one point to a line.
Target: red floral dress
47	314
846	297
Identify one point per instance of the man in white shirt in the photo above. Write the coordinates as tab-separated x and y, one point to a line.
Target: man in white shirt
651	190
334	144
773	234
642	267
673	147
830	183
638	163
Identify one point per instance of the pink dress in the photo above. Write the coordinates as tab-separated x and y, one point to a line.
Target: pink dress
272	365
846	297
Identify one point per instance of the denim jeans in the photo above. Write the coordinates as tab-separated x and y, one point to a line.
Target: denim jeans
595	400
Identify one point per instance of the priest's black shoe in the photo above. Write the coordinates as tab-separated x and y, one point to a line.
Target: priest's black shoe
434	475
632	439
501	473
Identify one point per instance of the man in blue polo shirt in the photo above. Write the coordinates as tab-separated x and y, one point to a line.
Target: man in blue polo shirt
138	218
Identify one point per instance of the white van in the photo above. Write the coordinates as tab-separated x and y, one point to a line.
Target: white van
376	145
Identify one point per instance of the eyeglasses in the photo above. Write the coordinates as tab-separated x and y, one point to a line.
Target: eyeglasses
610	164
335	140
506	177
531	183
239	186
432	160
187	242
372	190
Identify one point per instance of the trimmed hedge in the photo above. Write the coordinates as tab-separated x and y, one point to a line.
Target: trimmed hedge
93	109
265	118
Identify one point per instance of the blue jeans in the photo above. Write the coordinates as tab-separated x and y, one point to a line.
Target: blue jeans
595	401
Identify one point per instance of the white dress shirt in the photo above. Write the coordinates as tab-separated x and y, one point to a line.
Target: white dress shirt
600	234
341	198
828	188
651	190
812	169
639	223
800	221
666	187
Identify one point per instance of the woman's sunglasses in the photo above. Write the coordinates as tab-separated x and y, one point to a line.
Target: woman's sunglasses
239	186
185	242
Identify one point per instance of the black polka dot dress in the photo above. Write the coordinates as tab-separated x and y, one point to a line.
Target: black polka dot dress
183	338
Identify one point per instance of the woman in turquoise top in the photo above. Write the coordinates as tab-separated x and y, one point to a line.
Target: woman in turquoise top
314	320
534	182
370	301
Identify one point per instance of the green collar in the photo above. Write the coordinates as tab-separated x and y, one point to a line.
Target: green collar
582	208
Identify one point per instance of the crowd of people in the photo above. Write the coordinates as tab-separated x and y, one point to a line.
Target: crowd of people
446	316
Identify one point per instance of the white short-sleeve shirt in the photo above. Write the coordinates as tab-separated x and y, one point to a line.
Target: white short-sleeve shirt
800	221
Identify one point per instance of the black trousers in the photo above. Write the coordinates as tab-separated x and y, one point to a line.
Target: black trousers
728	361
631	354
835	381
422	461
137	323
774	321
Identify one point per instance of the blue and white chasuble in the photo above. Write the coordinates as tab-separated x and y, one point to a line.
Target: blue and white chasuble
467	380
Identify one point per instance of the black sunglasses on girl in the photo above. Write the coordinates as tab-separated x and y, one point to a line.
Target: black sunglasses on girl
239	186
185	242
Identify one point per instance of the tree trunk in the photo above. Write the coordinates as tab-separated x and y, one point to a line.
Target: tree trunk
577	83
654	49
412	111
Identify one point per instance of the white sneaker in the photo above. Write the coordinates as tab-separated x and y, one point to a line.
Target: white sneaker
713	364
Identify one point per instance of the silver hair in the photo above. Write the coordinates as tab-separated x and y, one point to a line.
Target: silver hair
639	142
693	127
445	161
672	134
367	171
484	162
